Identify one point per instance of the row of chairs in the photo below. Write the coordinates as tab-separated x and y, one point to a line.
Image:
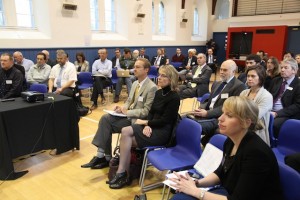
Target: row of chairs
187	151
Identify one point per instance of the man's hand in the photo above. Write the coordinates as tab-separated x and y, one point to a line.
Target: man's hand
200	112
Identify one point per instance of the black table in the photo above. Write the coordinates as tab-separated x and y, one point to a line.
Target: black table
31	127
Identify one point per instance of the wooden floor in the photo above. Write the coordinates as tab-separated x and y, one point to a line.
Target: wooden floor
53	177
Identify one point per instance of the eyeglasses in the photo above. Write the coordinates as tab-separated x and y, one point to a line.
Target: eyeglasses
162	76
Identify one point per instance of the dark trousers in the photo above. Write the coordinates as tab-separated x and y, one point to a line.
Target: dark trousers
99	84
209	128
278	121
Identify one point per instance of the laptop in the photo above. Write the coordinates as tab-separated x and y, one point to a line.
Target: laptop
123	73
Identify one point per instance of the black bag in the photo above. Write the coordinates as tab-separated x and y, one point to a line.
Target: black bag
172	141
140	197
83	110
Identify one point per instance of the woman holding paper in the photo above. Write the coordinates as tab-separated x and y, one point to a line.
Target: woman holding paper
156	130
249	169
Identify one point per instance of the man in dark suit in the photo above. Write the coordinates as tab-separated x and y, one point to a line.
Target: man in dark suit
198	79
211	60
159	59
143	55
208	113
188	63
116	59
286	94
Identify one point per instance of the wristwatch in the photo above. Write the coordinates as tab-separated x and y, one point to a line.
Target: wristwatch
202	193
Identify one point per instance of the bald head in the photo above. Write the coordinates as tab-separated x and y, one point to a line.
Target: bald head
18	56
227	70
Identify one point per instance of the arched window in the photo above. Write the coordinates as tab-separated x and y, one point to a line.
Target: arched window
161	20
102	15
22	17
196	22
153	18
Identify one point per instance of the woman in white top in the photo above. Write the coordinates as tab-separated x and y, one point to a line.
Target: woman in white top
81	64
256	76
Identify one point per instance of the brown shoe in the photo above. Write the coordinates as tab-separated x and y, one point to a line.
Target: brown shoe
94	106
116	99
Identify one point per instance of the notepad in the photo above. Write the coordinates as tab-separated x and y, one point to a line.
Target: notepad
209	160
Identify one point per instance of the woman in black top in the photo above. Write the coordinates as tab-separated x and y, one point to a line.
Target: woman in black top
273	71
249	169
157	129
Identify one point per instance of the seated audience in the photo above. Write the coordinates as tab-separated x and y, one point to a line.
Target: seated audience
20	60
39	73
101	70
126	63
286	94
164	53
159	59
273	71
262	55
188	63
262	98
178	57
81	64
251	60
249	168
11	79
62	76
208	112
136	107
293	161
135	54
143	55
297	57
156	130
198	80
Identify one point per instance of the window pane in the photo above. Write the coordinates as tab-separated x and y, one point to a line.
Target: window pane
153	18
222	9
1	14
94	14
24	13
161	22
196	22
109	15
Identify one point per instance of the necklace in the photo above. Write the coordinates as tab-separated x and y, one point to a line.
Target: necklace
162	93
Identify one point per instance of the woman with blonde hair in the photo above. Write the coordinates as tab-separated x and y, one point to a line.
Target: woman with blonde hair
249	169
156	130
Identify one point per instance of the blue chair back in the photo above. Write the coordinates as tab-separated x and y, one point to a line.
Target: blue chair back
218	141
203	98
42	88
273	140
289	137
188	135
290	182
176	64
85	78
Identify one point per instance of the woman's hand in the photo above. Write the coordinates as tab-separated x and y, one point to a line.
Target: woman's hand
147	131
141	122
185	184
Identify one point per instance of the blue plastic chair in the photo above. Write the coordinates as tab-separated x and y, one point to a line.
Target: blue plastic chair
290	182
86	81
218	141
288	139
200	100
153	74
42	88
182	156
273	140
176	64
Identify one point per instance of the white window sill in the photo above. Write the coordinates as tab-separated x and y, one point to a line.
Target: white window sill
162	38
22	34
107	36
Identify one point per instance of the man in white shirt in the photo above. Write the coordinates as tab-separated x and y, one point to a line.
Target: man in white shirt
62	76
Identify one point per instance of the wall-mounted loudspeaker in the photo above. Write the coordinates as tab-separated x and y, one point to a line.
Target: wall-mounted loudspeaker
68	6
184	20
140	15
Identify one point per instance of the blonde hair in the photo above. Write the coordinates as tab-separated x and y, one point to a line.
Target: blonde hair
244	109
172	74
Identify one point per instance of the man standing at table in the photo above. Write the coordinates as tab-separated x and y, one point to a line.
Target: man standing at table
11	79
62	76
137	106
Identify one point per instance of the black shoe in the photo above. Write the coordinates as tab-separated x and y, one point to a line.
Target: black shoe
95	160
102	164
119	181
